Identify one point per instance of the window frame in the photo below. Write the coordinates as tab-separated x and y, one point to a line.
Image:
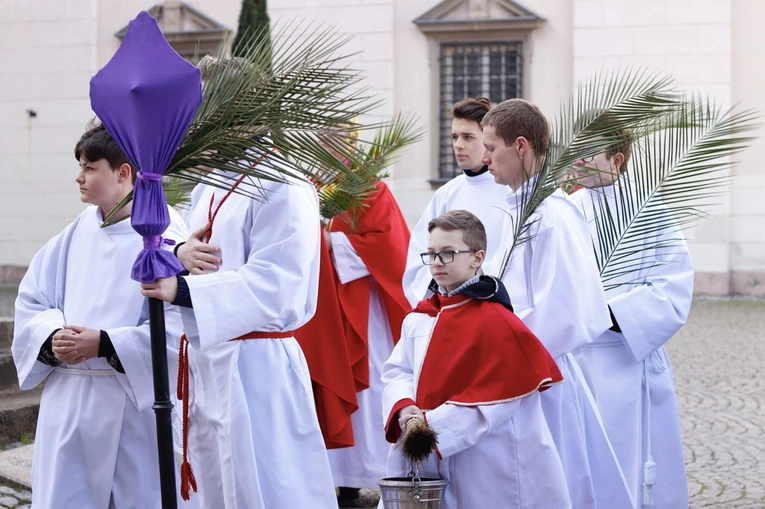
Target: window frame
446	165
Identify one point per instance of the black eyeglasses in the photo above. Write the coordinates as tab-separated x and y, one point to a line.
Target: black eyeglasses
445	256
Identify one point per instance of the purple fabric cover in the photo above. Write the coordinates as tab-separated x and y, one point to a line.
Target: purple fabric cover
146	96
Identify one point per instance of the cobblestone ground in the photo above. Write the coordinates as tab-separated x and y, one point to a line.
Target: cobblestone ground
718	360
18	499
719	364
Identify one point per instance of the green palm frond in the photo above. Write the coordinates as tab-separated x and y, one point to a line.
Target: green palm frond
681	149
523	221
583	127
177	192
598	107
676	173
292	83
343	194
309	89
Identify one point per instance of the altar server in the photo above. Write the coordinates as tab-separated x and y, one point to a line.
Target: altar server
473	371
627	367
82	324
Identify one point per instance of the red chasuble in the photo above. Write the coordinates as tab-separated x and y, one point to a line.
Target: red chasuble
323	342
381	239
479	353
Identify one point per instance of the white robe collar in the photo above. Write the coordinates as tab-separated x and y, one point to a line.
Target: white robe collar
479	180
516	198
121	227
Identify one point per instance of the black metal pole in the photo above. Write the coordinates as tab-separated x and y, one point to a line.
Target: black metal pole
163	407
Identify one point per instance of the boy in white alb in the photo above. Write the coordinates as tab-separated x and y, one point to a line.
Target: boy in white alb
627	367
82	323
251	409
554	286
473	190
469	367
252	434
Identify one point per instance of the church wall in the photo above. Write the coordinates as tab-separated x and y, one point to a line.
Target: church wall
705	45
370	23
747	246
415	79
46	61
547	70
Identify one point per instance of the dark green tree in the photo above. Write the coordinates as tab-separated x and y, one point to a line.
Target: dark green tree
253	19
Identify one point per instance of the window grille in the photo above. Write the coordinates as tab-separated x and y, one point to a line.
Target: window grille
474	69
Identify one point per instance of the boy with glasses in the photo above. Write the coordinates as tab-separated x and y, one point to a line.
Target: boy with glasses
469	367
474	190
627	367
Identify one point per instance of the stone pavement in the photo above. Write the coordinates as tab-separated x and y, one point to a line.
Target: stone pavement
15	498
719	364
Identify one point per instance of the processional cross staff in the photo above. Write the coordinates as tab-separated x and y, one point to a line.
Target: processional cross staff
146	96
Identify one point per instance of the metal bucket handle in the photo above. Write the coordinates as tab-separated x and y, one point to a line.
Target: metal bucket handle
414	474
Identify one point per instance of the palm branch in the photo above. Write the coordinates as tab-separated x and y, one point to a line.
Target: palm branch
343	194
307	90
626	97
677	171
177	192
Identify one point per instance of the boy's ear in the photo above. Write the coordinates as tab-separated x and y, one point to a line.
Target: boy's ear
523	145
478	258
618	160
125	172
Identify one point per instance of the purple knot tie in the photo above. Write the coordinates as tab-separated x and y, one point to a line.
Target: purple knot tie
156	177
155	242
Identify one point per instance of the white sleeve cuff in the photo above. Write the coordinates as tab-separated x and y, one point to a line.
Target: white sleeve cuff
348	263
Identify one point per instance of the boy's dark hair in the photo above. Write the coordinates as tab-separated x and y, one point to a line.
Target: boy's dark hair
473	231
97	143
518	117
472	108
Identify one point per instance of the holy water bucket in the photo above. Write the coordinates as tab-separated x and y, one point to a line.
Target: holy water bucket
412	493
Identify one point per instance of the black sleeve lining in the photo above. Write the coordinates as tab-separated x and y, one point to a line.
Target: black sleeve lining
615	327
106	350
46	355
183	297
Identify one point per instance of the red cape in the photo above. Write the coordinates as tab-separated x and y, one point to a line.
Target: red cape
323	342
381	239
479	353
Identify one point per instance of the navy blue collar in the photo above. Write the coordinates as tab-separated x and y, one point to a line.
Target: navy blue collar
486	288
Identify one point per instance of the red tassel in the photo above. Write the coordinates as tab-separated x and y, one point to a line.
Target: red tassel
183	363
187	476
187	480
